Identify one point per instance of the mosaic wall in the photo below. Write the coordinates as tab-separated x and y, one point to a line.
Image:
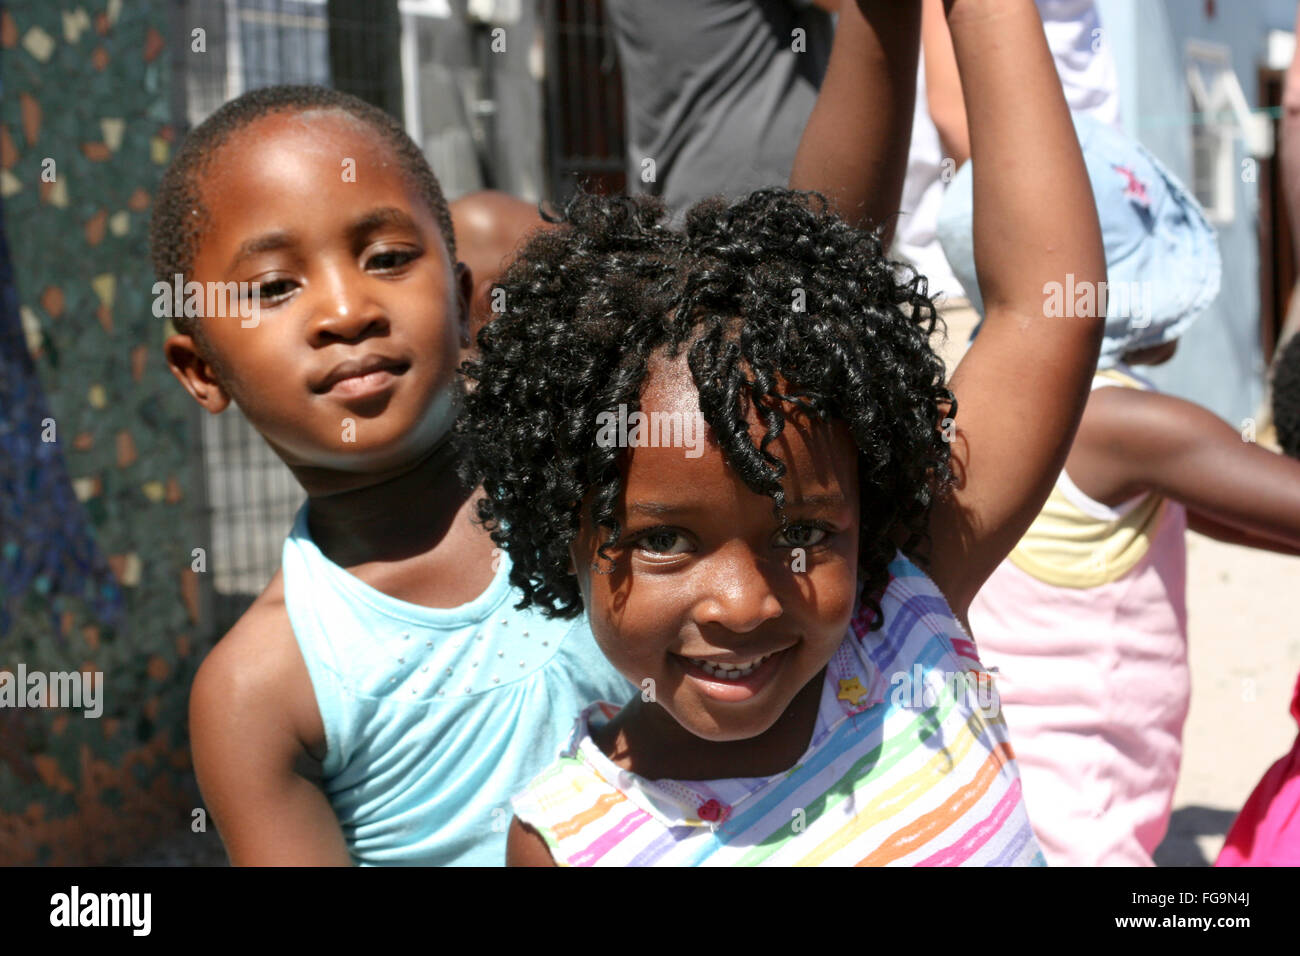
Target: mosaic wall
99	509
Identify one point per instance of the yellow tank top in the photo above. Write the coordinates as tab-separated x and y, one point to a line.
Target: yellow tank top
1076	542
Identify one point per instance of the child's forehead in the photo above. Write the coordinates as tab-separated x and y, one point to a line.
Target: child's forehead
806	444
332	133
302	173
669	386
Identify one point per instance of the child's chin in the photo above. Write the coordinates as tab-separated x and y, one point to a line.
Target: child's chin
730	723
377	453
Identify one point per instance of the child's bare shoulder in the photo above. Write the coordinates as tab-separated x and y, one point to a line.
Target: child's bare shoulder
256	676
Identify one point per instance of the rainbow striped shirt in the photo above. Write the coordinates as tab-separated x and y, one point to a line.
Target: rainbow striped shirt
909	764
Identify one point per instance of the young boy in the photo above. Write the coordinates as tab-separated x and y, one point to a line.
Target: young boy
378	701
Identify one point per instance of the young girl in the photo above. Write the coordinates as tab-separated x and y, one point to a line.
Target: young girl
1086	622
805	686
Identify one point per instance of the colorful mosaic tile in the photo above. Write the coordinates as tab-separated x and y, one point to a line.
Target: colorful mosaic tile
97	521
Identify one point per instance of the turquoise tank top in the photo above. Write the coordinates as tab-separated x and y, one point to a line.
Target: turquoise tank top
435	718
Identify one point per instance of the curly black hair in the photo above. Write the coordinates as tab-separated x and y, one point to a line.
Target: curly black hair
178	216
775	287
1286	398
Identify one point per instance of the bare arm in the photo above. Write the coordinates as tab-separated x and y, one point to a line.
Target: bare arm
943	84
854	148
525	846
257	778
1024	383
1230	535
1133	441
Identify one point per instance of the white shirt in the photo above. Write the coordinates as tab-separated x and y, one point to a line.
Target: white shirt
1084	62
1091	83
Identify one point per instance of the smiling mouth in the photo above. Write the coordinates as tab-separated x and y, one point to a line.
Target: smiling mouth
361	375
735	680
730	670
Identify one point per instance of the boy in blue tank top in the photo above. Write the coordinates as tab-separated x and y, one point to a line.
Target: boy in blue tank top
382	699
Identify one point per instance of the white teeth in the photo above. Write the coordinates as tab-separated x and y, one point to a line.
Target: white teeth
729	671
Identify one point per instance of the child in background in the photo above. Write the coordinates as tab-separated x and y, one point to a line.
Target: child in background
489	226
1267	831
1085	622
382	699
764	587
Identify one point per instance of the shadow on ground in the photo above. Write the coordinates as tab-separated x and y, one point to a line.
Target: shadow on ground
1180	847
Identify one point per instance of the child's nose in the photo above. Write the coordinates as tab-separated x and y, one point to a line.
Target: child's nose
736	592
344	312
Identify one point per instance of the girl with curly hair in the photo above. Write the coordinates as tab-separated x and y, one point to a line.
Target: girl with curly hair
789	593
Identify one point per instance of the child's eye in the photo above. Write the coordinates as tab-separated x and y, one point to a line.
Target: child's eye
801	536
271	291
391	259
663	541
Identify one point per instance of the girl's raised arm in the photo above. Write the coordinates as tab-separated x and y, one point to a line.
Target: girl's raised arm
854	148
1022	387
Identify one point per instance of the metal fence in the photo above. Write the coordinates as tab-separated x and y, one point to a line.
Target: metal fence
584	99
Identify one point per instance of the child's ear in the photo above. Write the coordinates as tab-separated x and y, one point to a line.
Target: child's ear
464	302
195	373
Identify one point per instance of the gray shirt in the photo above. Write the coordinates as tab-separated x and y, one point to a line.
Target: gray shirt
718	91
